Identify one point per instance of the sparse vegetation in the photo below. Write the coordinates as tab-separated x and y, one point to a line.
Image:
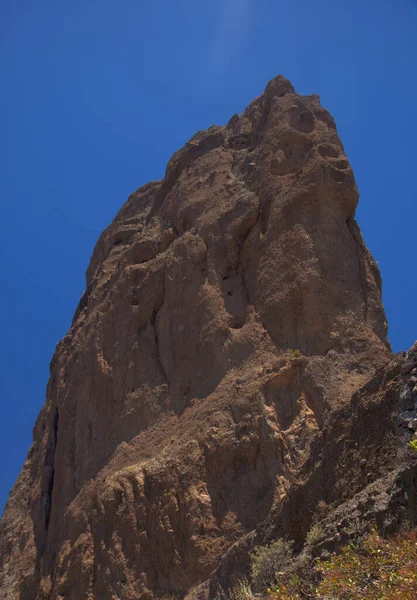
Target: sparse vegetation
377	569
268	561
285	589
295	352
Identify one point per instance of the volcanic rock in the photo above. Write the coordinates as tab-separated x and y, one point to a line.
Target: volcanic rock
224	366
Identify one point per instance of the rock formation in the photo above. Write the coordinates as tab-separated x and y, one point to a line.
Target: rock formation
226	370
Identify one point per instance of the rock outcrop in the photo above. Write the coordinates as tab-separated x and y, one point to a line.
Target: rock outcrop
226	370
360	473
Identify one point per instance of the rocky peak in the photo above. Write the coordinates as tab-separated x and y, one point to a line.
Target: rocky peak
232	312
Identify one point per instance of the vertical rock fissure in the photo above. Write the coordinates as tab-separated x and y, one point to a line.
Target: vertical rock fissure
49	470
41	525
155	328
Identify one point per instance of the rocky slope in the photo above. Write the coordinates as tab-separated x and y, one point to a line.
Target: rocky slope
226	370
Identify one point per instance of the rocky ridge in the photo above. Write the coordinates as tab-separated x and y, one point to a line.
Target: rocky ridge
227	370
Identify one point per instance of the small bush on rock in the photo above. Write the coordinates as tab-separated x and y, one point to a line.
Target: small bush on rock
413	445
315	535
268	561
353	527
241	591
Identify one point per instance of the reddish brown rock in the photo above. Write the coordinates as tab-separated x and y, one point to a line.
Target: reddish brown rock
231	311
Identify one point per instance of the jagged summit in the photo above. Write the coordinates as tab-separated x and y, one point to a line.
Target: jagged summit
232	312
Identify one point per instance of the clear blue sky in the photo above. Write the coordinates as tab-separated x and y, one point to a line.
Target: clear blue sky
96	96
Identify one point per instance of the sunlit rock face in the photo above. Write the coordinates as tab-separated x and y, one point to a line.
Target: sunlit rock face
231	310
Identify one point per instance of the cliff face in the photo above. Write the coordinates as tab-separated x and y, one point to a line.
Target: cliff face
232	311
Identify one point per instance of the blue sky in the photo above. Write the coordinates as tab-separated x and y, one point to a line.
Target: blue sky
97	95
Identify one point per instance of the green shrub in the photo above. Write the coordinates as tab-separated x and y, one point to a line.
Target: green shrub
268	561
241	591
413	445
315	535
353	527
295	352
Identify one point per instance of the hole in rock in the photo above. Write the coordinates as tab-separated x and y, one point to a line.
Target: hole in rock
328	151
302	120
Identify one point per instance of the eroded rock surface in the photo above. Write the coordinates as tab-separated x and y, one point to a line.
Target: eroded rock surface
231	313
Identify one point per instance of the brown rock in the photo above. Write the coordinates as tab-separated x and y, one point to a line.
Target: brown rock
179	420
360	468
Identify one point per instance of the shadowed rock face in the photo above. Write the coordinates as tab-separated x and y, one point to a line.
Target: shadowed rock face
178	417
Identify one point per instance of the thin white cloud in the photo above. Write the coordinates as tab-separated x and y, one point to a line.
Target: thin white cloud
233	23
